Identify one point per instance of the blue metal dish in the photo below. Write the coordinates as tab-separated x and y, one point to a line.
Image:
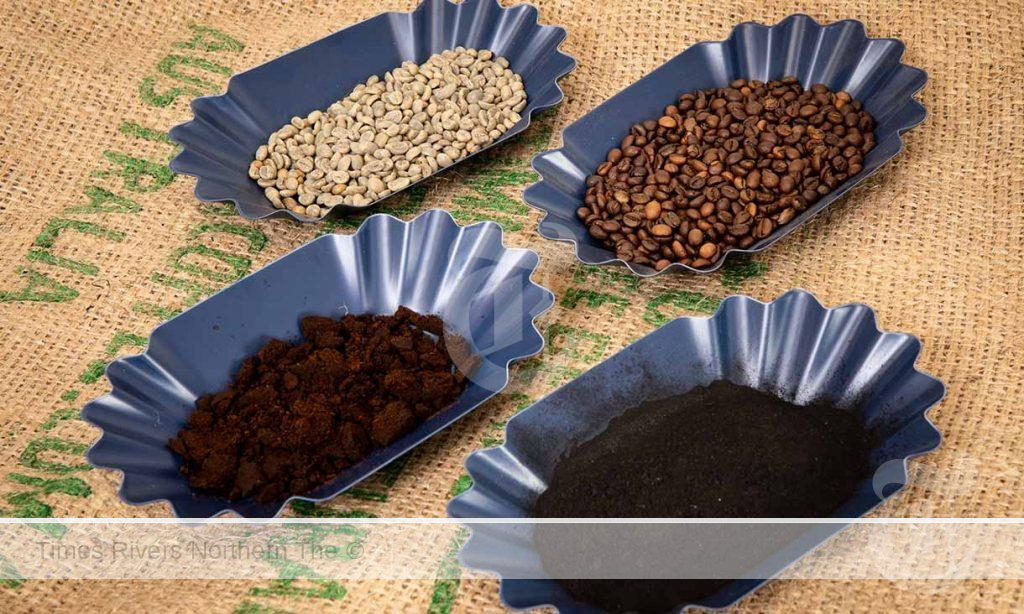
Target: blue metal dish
840	55
793	347
480	288
219	144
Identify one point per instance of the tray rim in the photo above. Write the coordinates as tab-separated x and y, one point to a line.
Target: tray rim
835	195
811	541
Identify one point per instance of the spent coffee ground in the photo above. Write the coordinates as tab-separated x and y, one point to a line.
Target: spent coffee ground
723	168
718	451
297	414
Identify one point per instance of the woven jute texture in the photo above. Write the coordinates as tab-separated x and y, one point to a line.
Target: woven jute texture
100	243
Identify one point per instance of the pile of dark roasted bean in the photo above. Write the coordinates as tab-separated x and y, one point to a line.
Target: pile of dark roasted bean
722	169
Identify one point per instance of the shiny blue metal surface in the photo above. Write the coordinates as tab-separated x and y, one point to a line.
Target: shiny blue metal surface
430	264
219	144
840	55
793	347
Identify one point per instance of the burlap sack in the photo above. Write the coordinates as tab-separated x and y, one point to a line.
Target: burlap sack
101	243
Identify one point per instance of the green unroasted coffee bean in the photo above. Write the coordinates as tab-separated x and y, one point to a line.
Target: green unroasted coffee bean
390	132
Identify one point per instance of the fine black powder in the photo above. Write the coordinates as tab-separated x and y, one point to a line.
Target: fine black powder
721	451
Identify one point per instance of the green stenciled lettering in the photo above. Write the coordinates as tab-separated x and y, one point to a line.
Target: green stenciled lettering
605	276
74	487
217	209
489	203
122	340
384	479
574	340
31	456
194	290
55	226
529	370
257	240
148	134
239	264
60	415
681	299
366	494
27	504
47	257
138	174
47	239
147	90
308	509
251	607
10	577
449	572
119	341
105	201
739	269
313	587
288	587
538	135
38	287
157	311
461	485
521	401
171	66
93	372
205	38
593	299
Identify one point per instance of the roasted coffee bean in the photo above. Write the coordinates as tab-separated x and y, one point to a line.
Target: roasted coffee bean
763	229
708	250
723	168
678	249
653	210
786	184
632	219
754	179
736	230
661	230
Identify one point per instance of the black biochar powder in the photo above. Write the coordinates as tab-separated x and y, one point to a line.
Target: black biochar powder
721	451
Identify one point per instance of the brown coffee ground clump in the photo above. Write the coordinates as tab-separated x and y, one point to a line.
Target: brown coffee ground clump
297	414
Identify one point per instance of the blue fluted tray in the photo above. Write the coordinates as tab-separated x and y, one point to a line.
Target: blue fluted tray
480	288
793	347
220	143
840	55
